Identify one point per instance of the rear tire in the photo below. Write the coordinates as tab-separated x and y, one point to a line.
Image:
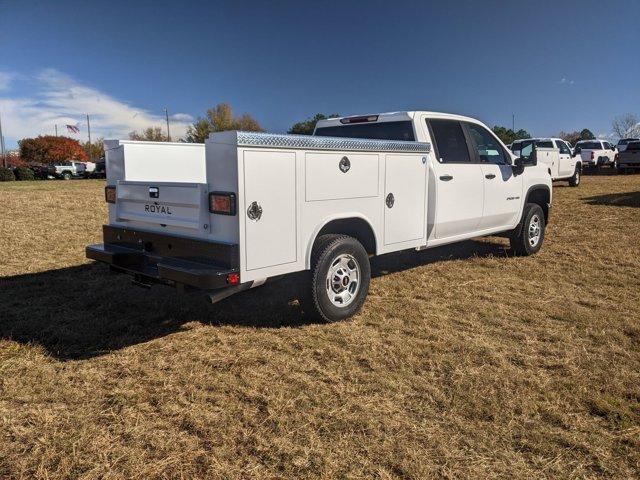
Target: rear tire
528	236
66	176
575	180
339	279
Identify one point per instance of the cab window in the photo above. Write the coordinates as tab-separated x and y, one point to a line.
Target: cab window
563	147
450	142
486	146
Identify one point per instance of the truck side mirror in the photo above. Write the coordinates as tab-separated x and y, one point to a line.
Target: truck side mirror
518	166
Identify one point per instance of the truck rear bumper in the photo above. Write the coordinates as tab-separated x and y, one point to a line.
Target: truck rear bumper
156	258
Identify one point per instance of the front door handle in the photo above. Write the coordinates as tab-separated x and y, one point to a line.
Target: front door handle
446	178
490	176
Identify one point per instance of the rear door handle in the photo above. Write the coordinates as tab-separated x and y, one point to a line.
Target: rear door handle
446	178
490	176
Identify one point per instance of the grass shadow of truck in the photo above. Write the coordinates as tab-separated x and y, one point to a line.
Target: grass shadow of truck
80	312
626	199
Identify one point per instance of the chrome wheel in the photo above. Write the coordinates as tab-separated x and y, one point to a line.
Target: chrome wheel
577	177
535	230
343	280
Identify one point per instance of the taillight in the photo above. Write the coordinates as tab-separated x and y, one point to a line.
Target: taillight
233	278
110	194
222	203
592	156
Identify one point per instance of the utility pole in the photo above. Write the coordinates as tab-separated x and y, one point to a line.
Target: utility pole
166	115
56	129
4	158
89	132
513	122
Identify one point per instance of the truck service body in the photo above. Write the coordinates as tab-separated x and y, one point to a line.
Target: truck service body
262	205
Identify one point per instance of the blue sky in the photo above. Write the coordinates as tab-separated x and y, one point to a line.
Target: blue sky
560	65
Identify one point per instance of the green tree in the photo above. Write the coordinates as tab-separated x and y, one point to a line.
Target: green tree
220	119
307	126
95	150
586	134
151	134
508	136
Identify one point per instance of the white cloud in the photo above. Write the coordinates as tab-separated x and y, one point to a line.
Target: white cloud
5	80
181	117
60	99
565	81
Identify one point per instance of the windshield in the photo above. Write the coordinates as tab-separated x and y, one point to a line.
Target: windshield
625	141
402	130
589	146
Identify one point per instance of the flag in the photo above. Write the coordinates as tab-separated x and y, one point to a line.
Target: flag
73	129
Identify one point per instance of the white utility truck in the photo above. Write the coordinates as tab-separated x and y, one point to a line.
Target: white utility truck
556	154
263	205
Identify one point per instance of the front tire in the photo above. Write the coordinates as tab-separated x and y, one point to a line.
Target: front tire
575	180
528	236
339	278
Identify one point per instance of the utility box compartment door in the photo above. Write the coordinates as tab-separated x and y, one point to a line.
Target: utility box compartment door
405	198
333	176
270	208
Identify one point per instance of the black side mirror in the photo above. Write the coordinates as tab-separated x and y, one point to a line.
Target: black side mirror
518	166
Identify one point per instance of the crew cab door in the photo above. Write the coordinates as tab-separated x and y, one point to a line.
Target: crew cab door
458	180
502	189
565	163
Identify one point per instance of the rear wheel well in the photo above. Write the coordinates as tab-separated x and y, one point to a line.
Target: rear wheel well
541	196
355	227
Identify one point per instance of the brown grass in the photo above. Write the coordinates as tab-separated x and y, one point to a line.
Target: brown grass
465	362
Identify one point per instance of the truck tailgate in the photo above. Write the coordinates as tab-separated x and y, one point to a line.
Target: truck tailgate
181	207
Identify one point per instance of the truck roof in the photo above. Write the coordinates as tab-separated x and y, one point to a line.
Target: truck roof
395	117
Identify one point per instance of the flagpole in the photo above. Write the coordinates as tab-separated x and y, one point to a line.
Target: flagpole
89	132
166	114
56	129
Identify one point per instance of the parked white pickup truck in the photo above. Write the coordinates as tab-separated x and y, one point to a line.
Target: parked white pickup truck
264	205
596	153
556	154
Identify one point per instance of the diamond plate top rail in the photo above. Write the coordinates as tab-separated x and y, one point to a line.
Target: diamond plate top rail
276	140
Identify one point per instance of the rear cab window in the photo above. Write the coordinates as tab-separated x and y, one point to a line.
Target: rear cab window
589	146
400	130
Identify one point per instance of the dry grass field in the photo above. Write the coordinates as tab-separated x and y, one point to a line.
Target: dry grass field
465	362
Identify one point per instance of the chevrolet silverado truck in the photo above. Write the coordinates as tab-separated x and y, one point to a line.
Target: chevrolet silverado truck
629	158
596	153
556	154
261	205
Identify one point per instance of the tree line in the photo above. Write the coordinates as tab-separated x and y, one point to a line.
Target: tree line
47	149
